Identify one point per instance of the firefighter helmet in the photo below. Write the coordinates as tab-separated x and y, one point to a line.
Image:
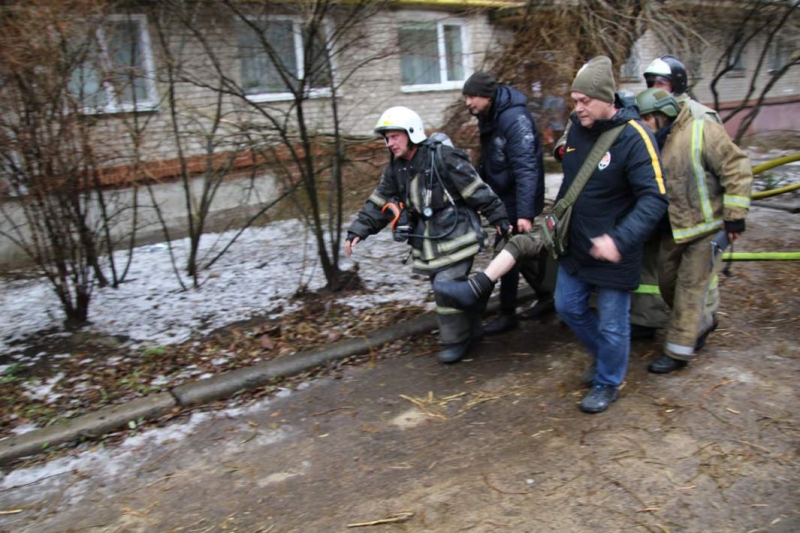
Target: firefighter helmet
671	68
402	118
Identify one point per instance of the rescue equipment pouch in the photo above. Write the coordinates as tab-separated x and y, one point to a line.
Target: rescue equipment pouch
555	226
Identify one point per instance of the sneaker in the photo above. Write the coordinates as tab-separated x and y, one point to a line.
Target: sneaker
599	398
500	324
665	364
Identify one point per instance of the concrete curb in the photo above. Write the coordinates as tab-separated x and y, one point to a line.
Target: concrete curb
221	386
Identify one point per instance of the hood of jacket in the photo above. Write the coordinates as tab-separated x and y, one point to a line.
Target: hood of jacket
506	98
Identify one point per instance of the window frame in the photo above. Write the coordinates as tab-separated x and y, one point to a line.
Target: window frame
631	69
739	68
441	44
151	103
778	54
323	92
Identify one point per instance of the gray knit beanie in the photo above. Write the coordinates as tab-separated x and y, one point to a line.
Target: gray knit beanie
480	84
596	79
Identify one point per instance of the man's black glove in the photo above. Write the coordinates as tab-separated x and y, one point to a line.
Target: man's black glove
734	226
503	224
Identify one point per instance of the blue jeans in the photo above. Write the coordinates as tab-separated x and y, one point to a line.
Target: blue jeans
606	333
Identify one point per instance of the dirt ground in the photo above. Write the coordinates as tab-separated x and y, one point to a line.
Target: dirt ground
495	443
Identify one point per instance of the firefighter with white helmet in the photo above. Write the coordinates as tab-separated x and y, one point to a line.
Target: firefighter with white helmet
431	195
668	72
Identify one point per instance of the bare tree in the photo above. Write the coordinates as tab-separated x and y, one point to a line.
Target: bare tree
552	39
236	53
54	207
758	26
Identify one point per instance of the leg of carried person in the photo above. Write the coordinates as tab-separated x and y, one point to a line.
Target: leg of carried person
474	293
649	311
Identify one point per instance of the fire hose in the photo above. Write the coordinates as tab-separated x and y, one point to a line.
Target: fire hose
768	256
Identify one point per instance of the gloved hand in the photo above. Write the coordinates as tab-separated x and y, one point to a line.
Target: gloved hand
734	228
559	153
503	227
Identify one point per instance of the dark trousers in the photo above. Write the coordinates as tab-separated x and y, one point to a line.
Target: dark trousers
455	325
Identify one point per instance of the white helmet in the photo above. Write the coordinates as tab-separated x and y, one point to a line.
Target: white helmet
402	118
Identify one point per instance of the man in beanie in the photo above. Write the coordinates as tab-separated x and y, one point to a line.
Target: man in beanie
615	212
511	164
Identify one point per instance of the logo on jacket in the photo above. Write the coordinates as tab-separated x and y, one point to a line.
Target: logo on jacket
605	161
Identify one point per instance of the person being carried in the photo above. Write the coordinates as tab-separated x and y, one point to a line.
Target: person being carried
614	212
511	164
708	180
431	195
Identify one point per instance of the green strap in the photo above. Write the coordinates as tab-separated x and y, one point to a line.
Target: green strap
599	149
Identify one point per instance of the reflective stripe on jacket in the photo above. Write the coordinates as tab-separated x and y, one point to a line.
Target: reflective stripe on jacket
453	232
708	177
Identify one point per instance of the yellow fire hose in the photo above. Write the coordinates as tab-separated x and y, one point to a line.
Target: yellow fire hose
768	256
761	256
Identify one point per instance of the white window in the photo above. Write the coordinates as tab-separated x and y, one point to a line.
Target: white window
118	73
778	54
433	55
737	62
630	69
272	59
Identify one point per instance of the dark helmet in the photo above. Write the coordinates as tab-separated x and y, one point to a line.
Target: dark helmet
671	68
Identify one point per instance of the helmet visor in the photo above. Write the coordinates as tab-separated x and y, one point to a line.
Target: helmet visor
658	81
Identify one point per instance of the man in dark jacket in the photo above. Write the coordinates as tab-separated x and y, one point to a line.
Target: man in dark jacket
431	195
616	211
511	163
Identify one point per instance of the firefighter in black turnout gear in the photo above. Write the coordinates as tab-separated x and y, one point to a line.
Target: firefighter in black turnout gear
431	194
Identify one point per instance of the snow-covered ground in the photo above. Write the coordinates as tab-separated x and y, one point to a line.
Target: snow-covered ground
257	275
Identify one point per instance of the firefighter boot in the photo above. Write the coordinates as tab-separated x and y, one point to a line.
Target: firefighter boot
453	353
665	364
470	295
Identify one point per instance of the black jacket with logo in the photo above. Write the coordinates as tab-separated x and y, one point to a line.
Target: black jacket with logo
625	197
511	154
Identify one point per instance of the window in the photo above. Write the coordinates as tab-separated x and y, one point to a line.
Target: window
271	59
737	64
118	74
778	55
432	56
630	68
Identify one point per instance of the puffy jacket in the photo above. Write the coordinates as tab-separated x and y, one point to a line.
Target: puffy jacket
625	197
511	154
454	230
708	177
